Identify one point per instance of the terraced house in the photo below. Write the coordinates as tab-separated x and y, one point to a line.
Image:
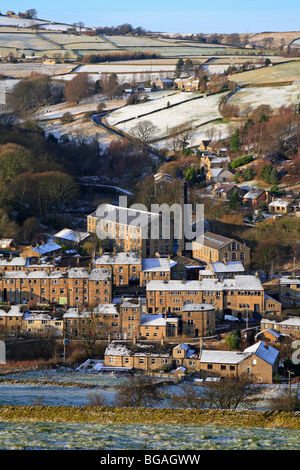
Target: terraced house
239	296
77	286
289	291
125	267
215	248
260	360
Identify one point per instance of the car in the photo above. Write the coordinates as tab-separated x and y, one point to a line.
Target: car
230	318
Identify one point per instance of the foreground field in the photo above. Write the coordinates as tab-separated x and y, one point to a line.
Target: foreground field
129	436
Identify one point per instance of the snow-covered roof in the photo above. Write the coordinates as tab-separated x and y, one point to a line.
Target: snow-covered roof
239	282
15	311
222	357
242	282
263	351
118	258
96	274
100	309
37	315
16	261
124	215
289	280
72	235
291	321
254	193
119	349
197	307
280	203
46	248
32	275
173	285
106	309
156	320
228	267
156	264
76	313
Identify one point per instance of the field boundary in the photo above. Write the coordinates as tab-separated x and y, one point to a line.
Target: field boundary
87	414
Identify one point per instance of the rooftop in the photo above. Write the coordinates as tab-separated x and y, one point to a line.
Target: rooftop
124	215
156	264
228	267
213	240
118	258
72	235
46	248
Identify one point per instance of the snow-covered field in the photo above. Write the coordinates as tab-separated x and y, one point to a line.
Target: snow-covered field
193	112
157	100
124	68
275	97
24	41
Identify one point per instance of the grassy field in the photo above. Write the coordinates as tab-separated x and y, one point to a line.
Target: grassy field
289	71
274	96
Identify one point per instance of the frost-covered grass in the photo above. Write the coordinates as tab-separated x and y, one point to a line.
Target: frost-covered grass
156	101
124	68
24	41
289	71
67	39
193	112
275	97
94	436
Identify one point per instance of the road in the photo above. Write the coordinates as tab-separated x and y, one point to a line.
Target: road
97	120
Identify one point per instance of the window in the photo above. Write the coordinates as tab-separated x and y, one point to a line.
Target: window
209	366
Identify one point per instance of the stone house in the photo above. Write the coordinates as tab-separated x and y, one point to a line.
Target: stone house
155	269
162	83
130	313
225	190
198	319
260	360
11	320
216	248
281	206
76	287
241	296
272	306
289	327
125	267
144	357
289	291
39	322
255	196
216	175
158	327
128	230
43	250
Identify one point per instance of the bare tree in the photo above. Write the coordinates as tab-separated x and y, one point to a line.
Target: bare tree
180	136
139	390
143	131
231	391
